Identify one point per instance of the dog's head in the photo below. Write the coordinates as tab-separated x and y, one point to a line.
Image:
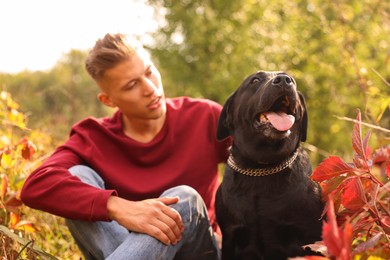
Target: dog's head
266	117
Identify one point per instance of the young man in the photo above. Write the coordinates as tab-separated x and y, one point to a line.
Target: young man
140	184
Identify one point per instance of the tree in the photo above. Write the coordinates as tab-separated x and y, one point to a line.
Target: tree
337	51
56	99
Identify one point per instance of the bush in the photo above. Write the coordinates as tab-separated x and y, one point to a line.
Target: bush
23	231
357	197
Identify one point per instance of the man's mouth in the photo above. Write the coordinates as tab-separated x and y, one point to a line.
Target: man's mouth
155	103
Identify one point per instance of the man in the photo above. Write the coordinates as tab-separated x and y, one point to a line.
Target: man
140	184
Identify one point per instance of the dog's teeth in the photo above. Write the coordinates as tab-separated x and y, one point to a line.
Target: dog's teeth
286	101
263	118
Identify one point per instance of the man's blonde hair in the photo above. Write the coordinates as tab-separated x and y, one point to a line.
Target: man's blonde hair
108	52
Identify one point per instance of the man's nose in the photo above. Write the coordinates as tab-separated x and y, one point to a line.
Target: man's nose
149	86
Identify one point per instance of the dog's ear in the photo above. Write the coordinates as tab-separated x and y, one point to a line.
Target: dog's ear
225	121
304	118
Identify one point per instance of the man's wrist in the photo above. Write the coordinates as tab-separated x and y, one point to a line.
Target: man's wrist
112	203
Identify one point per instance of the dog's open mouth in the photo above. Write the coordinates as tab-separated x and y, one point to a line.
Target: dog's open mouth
280	116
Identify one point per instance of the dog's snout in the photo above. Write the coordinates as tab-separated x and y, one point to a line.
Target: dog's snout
282	79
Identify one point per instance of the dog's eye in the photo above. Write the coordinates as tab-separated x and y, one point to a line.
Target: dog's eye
255	80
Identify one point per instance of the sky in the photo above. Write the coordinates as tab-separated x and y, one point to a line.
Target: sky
34	34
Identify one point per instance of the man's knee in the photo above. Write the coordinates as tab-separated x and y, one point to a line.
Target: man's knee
87	175
190	202
182	191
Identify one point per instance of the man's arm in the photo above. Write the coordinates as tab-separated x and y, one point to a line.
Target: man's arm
153	217
52	188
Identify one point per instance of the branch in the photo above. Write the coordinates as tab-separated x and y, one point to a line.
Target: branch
365	124
380	76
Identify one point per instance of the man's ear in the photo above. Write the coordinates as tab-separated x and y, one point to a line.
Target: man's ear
105	99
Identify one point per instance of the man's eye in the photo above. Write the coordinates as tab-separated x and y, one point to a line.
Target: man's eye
131	85
148	72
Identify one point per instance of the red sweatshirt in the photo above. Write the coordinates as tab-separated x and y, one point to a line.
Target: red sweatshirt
185	151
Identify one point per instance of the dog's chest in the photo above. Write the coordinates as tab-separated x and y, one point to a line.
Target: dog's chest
248	197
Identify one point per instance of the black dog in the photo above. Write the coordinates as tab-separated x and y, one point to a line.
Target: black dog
267	206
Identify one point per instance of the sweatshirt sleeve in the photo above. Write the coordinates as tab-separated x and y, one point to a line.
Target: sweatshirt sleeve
53	189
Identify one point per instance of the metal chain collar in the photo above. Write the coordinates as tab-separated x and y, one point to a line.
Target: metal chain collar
264	171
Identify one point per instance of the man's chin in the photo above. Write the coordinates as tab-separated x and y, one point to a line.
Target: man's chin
159	113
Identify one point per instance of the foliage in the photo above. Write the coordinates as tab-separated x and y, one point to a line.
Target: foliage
358	193
336	50
13	156
56	99
20	236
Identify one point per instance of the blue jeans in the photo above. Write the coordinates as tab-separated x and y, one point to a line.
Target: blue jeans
110	240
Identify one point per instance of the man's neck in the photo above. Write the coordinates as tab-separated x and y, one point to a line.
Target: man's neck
143	131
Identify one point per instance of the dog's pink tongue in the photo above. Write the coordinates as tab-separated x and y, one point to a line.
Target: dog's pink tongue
281	121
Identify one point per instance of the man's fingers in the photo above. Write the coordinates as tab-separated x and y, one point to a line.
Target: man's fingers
167	221
153	217
168	200
165	231
171	212
158	234
170	223
171	218
175	216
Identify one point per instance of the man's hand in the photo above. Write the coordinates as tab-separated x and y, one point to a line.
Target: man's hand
153	217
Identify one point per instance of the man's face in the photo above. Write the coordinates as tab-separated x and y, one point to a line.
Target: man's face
134	86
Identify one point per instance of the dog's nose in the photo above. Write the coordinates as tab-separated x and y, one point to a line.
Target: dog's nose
282	79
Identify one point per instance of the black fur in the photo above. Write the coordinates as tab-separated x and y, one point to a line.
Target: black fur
267	217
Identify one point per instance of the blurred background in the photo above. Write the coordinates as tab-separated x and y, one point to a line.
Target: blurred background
338	52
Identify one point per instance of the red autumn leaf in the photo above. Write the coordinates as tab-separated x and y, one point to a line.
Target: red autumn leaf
363	224
385	223
384	207
330	167
328	186
330	232
338	241
13	204
366	148
354	197
336	200
28	148
381	159
347	239
357	137
380	156
359	146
